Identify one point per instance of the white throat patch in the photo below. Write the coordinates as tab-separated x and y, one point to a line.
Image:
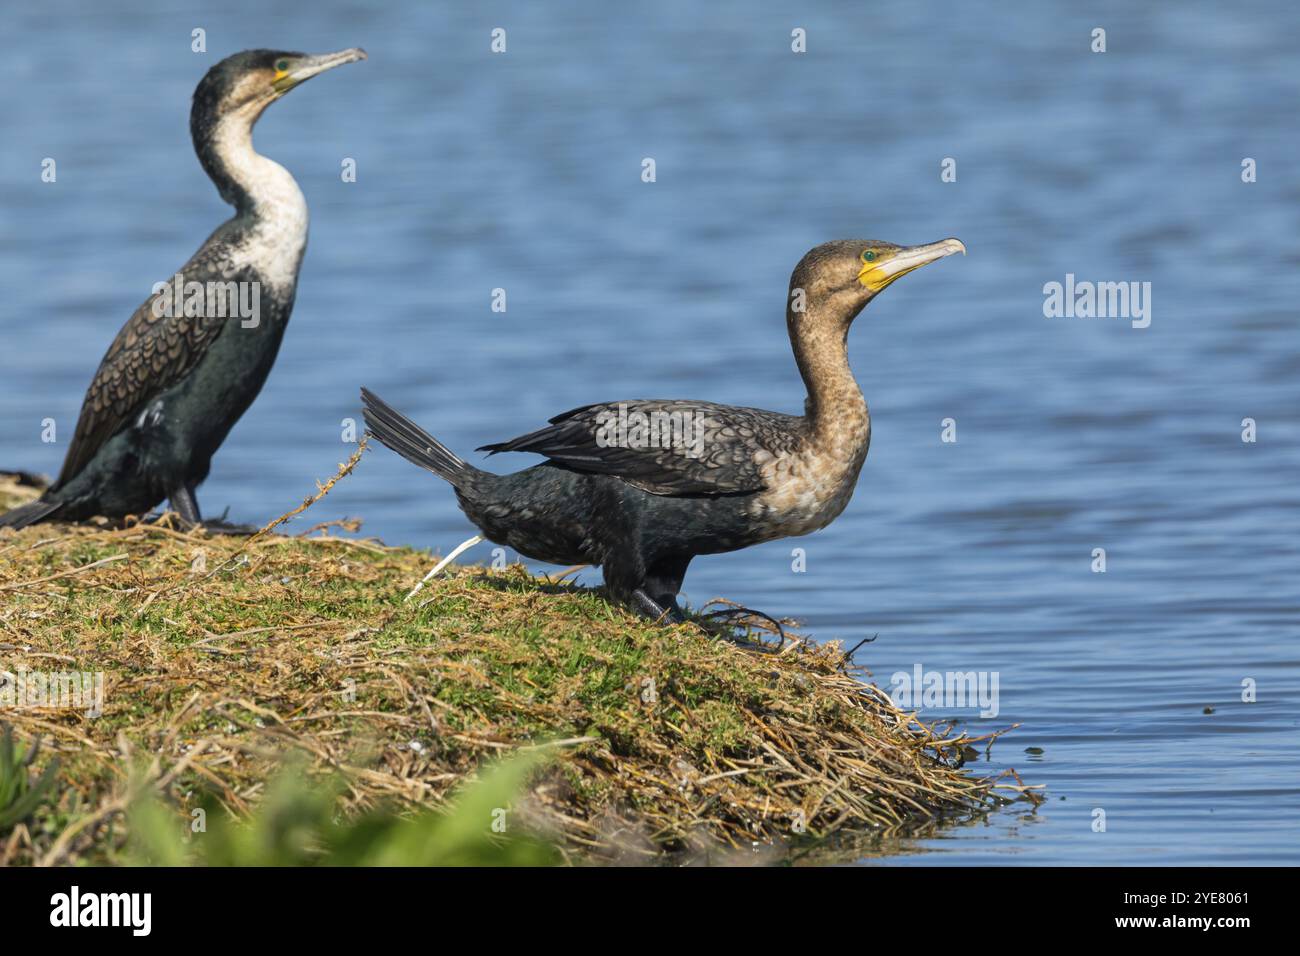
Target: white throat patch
277	238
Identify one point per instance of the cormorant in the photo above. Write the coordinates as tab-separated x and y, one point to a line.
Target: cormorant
191	360
642	487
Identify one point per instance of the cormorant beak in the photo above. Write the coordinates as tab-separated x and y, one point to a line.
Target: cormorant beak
875	276
304	68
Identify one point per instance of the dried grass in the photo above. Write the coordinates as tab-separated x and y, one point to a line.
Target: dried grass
222	653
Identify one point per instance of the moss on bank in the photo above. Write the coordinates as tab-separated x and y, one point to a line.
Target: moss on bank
220	654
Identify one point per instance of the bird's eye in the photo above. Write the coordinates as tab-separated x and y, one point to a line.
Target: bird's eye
868	256
282	66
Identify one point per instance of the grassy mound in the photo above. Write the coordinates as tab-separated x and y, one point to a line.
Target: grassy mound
219	655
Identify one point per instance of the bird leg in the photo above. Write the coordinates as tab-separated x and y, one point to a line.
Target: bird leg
650	587
184	504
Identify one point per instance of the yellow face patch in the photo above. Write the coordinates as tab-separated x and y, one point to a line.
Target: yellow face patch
880	267
875	273
281	79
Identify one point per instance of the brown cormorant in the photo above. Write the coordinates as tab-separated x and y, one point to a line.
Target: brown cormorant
191	360
642	487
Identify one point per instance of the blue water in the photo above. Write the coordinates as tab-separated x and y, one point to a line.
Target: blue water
522	171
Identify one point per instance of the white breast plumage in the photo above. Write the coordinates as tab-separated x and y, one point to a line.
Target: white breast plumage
278	239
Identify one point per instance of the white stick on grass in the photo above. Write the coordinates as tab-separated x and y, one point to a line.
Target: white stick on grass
456	552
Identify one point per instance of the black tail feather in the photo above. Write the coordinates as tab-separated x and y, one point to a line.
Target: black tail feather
412	442
30	513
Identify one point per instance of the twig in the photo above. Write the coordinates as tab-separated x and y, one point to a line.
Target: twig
65	574
345	469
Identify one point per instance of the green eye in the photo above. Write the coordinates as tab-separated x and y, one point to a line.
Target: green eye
282	66
868	256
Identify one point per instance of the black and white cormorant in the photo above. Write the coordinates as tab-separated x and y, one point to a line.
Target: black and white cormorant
185	367
642	487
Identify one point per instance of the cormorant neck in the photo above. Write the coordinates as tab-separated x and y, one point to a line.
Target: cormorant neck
249	181
835	406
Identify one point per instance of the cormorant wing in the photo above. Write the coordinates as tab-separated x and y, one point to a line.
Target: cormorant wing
666	447
150	354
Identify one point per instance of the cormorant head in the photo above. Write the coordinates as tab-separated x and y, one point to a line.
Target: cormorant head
837	279
246	83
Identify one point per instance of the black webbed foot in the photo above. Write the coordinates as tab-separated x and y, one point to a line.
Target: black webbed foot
186	508
644	604
184	504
